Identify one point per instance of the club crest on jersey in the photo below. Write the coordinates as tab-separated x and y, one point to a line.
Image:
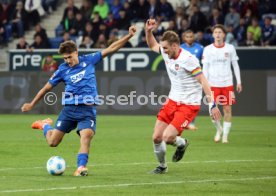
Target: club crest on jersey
226	54
176	67
77	77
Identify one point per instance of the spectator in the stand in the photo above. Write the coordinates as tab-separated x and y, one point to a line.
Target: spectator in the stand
22	44
190	8
216	17
104	30
65	37
129	11
101	42
223	6
31	7
172	26
91	32
166	10
179	15
268	32
143	42
110	21
96	21
43	34
70	6
113	36
238	5
140	10
255	29
101	8
86	43
38	43
49	4
68	22
50	65
115	8
78	26
184	26
123	22
206	6
250	40
248	17
86	9
253	6
154	9
198	20
240	31
230	38
19	20
201	39
232	18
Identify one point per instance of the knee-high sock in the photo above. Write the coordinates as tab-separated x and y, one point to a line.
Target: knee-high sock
47	128
82	159
179	141
226	128
217	125
160	153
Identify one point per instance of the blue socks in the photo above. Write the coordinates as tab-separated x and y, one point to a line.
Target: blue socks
82	159
46	128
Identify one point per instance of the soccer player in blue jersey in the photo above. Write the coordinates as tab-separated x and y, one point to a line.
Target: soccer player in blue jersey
194	48
79	98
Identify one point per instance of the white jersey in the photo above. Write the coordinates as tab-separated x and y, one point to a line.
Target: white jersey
182	71
217	65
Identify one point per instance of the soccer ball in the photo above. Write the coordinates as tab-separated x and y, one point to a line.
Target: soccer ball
56	165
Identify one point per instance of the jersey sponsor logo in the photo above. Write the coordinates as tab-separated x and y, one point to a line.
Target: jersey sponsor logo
78	77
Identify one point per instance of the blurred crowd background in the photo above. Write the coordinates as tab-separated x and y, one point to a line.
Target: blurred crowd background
98	23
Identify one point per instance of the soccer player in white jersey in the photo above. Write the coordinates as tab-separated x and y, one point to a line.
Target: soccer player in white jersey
217	59
184	98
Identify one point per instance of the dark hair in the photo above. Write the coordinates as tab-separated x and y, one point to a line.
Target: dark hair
219	26
67	47
171	37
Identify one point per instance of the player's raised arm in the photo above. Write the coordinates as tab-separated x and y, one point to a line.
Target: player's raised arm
28	106
213	109
151	41
120	43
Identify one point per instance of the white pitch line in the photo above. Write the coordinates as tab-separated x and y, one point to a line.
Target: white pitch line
139	184
147	163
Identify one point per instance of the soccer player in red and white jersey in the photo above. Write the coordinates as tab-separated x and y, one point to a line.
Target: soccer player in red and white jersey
217	59
184	99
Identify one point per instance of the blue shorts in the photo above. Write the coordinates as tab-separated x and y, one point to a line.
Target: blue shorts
80	116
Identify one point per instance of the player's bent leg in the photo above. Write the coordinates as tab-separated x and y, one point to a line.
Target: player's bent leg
54	137
86	136
170	137
159	147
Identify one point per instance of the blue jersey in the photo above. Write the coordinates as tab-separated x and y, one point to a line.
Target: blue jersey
196	49
80	80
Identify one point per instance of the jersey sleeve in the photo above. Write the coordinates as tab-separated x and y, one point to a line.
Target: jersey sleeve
234	56
192	65
94	58
56	78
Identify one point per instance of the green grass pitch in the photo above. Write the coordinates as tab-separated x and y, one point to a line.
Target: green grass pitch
122	156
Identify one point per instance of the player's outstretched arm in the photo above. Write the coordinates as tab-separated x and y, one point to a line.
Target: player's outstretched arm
28	106
120	43
213	109
151	41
